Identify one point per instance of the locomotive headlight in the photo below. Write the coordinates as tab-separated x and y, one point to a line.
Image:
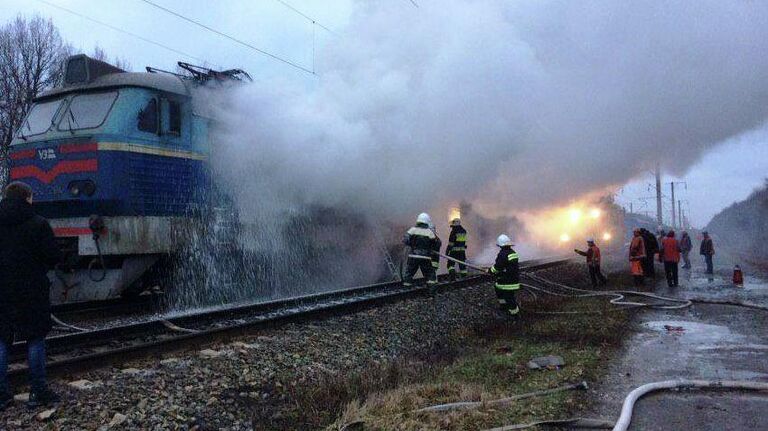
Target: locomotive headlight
74	188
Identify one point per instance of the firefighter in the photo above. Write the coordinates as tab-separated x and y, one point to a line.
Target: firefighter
422	242
507	272
457	249
593	263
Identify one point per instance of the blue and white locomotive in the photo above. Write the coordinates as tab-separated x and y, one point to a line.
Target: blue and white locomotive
118	163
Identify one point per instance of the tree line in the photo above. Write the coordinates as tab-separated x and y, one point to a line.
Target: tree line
32	53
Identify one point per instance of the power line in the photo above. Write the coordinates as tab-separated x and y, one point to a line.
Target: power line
120	30
306	16
213	30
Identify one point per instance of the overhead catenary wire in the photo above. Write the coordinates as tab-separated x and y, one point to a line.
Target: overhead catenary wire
309	18
120	30
232	38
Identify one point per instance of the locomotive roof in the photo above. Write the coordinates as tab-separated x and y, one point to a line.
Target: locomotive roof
156	81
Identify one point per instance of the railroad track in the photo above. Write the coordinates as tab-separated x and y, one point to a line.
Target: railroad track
108	307
82	351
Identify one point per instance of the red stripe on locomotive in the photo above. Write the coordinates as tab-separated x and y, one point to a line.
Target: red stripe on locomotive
24	154
63	167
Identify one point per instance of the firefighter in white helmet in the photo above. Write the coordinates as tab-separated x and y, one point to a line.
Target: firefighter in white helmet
457	248
422	242
507	272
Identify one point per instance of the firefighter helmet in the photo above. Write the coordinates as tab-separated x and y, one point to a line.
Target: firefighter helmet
424	218
456	222
503	240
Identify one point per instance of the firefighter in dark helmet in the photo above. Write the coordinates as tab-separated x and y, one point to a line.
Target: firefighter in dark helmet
457	249
507	272
422	242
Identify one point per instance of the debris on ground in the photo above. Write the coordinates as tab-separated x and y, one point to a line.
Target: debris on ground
671	328
550	362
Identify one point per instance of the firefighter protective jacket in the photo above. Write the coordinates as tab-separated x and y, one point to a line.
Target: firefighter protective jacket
507	269
457	240
422	241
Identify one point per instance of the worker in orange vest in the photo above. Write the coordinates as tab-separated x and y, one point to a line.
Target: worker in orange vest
669	255
593	263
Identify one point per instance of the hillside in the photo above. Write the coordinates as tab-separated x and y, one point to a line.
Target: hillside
743	226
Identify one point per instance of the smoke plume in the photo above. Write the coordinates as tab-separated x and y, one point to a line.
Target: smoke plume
509	105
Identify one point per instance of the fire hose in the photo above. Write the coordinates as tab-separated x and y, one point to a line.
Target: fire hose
629	402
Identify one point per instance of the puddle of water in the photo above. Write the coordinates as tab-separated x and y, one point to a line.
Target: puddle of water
704	334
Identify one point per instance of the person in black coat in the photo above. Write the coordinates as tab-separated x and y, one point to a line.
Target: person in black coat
651	248
28	251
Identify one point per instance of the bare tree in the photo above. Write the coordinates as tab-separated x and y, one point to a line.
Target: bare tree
31	55
100	54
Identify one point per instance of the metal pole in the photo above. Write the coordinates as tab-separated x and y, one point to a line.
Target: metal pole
631	208
659	216
674	215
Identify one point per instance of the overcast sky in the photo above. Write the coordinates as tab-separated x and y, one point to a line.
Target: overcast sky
724	175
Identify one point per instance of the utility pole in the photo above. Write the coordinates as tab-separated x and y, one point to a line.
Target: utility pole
672	184
659	217
676	202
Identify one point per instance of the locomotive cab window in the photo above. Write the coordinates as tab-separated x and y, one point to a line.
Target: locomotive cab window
87	111
148	118
171	117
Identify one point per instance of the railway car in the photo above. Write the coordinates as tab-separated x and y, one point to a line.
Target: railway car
118	164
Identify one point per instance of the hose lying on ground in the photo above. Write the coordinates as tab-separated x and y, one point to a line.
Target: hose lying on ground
618	295
59	322
168	324
570	423
727	302
629	402
501	401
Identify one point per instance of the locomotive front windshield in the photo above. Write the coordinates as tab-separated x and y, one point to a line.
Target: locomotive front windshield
81	111
40	118
87	111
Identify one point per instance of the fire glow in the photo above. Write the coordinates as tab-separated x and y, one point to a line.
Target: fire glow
567	226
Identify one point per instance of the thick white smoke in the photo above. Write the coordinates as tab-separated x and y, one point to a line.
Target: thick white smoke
516	104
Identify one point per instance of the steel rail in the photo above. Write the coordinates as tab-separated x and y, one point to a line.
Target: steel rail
264	315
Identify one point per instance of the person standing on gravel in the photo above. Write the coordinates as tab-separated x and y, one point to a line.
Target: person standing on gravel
507	273
637	257
422	242
28	251
670	257
685	248
457	249
651	248
593	263
707	249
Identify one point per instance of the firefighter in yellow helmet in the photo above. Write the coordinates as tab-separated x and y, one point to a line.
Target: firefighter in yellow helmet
507	272
457	249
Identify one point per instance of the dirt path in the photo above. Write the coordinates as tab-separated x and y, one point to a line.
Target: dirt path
716	342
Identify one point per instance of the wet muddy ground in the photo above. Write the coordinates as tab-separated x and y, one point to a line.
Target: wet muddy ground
700	342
